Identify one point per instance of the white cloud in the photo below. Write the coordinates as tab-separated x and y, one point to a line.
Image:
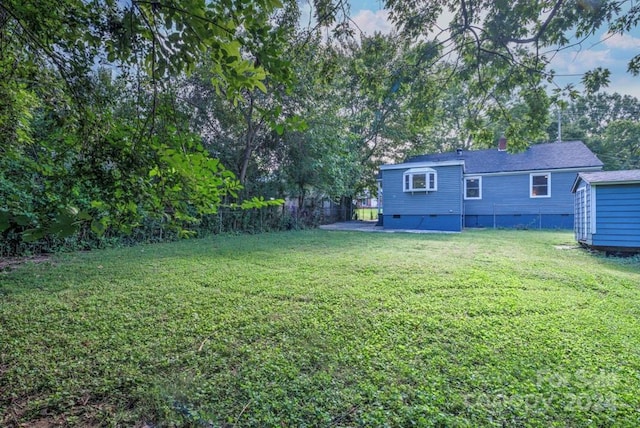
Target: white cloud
624	83
620	41
369	21
571	66
572	62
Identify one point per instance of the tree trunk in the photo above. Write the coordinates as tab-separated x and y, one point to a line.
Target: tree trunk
346	208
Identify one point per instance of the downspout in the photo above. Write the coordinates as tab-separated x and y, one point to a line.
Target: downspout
462	207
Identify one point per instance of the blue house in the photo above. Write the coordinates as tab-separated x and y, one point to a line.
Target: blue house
607	210
485	188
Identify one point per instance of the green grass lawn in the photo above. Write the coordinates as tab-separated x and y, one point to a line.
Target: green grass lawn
320	328
367	214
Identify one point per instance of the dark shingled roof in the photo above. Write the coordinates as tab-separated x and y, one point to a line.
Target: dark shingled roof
570	154
611	176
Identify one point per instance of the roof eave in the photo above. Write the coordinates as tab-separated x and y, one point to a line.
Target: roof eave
408	165
613	182
527	171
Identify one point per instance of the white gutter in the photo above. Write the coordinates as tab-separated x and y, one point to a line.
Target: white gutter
421	165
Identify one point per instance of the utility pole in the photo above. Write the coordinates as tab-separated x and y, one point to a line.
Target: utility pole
559	124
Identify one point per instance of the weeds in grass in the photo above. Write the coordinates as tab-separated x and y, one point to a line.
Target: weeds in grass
317	328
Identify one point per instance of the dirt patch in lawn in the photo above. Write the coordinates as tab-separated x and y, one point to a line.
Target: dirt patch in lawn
11	263
567	247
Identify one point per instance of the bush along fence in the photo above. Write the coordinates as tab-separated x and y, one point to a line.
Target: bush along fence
151	230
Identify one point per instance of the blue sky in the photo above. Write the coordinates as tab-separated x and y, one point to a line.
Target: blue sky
602	50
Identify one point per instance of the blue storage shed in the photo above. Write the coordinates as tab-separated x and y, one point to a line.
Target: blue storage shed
607	210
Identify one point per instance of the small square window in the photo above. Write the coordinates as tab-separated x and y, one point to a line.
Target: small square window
540	185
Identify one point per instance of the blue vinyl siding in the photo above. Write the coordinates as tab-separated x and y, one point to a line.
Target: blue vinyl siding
506	202
509	194
446	200
520	221
617	216
450	223
436	210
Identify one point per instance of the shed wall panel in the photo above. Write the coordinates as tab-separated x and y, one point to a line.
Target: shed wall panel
617	209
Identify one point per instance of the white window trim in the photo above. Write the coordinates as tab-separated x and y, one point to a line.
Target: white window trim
420	171
540	174
479	178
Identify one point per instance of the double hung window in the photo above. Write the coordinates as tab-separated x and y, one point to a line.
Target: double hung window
540	185
473	188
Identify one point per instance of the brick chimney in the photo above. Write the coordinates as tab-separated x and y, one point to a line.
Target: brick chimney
502	144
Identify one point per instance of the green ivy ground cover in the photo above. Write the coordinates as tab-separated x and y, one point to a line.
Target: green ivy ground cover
319	328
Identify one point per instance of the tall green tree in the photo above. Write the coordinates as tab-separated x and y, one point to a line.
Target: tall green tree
607	123
620	148
241	130
114	155
590	114
503	49
320	159
460	115
387	95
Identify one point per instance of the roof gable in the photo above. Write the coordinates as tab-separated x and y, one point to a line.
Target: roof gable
549	156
